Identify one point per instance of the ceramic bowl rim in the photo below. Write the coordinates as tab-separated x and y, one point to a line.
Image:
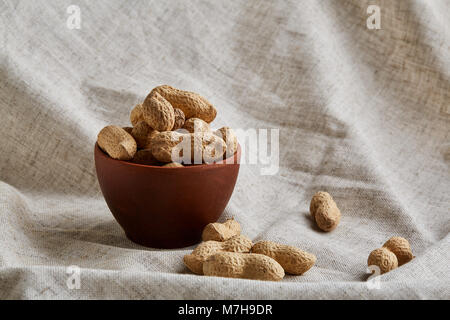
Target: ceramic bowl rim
236	155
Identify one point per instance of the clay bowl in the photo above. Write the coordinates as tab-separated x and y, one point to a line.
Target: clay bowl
162	207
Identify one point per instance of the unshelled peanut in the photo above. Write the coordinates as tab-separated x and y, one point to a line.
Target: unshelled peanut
192	104
143	133
136	114
292	259
195	260
117	143
383	259
179	119
213	147
401	248
221	231
162	144
158	112
196	125
394	253
324	211
228	135
243	265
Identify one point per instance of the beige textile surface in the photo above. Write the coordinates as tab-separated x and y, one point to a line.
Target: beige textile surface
363	114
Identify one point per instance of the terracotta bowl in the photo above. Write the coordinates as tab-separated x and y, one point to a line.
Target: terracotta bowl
165	207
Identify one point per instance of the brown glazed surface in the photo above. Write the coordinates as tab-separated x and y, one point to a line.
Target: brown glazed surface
162	207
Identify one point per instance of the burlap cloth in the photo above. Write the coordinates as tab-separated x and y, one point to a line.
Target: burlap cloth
363	114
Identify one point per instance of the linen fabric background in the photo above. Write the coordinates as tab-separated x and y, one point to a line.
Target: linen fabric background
363	114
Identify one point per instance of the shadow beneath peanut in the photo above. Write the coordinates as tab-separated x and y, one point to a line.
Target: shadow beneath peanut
311	222
365	276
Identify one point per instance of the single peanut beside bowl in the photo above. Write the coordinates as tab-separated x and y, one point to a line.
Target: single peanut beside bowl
192	104
324	211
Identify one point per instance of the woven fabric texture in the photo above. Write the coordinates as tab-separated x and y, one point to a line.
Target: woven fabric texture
362	113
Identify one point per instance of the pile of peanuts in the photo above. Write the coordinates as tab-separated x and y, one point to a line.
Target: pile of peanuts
167	119
224	252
